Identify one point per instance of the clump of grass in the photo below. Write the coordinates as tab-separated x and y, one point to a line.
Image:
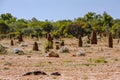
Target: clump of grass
116	59
8	64
48	45
99	60
40	64
2	49
49	62
54	77
87	64
67	61
6	68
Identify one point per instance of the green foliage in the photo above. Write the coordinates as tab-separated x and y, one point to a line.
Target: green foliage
56	34
65	28
47	26
48	45
2	49
116	30
27	31
75	30
3	27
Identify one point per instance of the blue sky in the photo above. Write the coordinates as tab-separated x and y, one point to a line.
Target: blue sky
58	9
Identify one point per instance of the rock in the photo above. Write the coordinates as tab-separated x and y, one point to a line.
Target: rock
23	45
64	49
80	53
28	56
4	46
98	37
18	51
34	73
39	73
28	73
85	40
86	45
56	74
52	54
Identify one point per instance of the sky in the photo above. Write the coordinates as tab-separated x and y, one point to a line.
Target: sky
54	10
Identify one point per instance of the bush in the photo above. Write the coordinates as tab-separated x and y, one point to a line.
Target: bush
56	34
48	45
2	49
28	31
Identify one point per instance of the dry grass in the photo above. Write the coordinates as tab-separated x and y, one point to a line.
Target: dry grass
100	62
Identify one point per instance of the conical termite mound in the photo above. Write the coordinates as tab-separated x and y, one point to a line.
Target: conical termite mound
12	44
20	37
35	46
93	38
80	42
110	40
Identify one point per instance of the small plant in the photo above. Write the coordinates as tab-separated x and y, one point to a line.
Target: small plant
100	60
8	64
2	49
116	59
48	45
87	64
40	64
54	77
6	68
49	62
67	61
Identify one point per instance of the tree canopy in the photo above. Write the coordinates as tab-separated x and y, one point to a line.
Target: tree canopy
67	28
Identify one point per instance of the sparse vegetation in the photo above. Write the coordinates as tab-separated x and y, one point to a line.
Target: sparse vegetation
66	34
2	49
47	45
67	61
99	60
8	64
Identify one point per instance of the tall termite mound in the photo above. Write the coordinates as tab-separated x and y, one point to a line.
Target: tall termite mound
20	37
35	46
80	42
93	37
110	40
11	43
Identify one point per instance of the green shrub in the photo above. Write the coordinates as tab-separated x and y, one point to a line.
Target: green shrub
48	45
100	60
2	49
